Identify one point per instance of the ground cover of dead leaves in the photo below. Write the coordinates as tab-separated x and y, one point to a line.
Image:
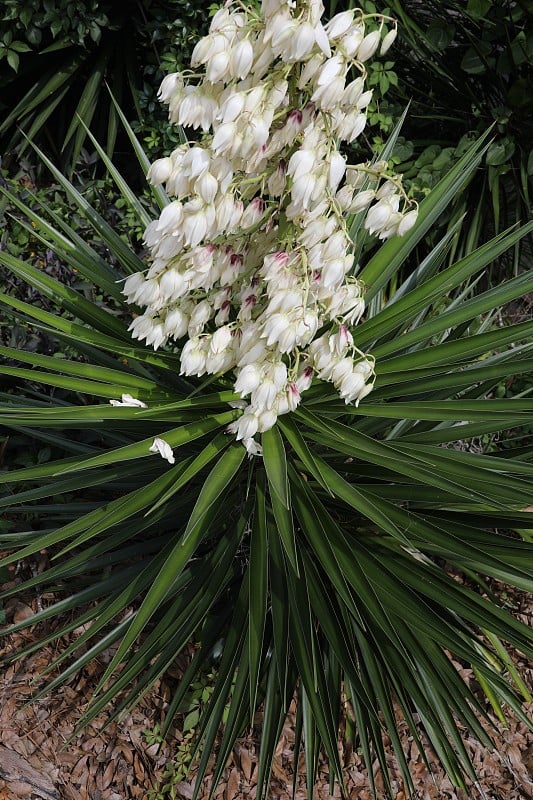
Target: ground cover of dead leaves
37	760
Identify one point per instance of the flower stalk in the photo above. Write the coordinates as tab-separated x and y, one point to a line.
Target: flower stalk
251	260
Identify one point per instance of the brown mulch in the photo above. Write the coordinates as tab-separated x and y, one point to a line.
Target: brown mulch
41	758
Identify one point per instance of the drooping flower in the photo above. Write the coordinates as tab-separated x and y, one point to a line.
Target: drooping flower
164	450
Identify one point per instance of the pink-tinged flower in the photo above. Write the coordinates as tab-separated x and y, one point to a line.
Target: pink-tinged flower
340	342
128	401
277	180
293	396
164	450
305	379
222	315
253	212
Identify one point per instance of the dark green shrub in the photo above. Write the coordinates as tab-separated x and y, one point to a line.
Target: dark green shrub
59	56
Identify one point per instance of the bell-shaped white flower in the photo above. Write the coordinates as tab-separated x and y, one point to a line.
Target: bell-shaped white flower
339	24
248	379
407	222
241	59
218	66
160	171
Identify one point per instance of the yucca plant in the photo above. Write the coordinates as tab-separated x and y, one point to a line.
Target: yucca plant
351	559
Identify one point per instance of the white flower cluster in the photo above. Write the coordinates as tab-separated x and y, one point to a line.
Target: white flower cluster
251	259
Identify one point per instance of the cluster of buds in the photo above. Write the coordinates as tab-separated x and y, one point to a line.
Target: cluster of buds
251	261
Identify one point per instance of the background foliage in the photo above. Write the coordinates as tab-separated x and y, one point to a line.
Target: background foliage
61	55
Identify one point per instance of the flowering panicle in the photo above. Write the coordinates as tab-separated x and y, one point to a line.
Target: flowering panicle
251	260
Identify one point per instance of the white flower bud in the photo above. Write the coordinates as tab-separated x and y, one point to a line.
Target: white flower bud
337	168
339	24
218	67
206	186
232	107
160	171
221	340
310	69
407	222
388	40
264	396
241	59
361	201
378	216
368	46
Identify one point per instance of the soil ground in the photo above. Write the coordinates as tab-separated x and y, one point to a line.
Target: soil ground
39	758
